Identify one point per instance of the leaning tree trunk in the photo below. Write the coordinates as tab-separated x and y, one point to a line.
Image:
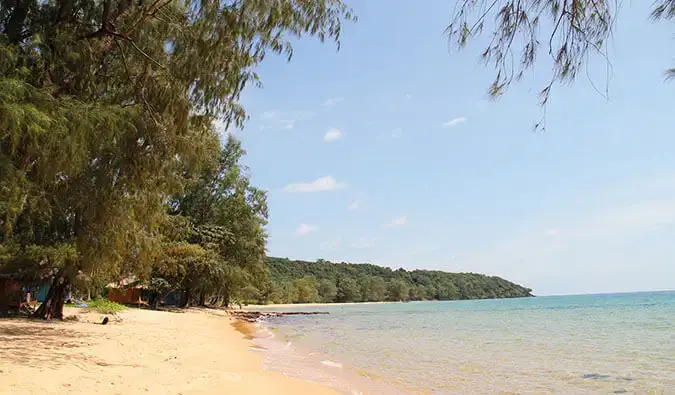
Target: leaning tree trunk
52	307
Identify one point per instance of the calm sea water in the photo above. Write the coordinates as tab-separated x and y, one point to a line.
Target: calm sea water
614	343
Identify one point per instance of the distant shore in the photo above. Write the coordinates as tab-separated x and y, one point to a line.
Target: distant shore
299	306
198	351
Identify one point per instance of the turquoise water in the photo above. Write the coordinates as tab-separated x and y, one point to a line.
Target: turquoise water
614	343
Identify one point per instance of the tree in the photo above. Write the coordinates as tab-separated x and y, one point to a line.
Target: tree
575	30
106	105
327	290
373	289
347	290
397	290
227	216
306	290
365	282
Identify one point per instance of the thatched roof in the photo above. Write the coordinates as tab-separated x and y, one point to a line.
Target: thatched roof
129	282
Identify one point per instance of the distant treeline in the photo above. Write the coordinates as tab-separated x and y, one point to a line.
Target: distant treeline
322	281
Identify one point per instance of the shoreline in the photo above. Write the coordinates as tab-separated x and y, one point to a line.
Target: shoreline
305	363
198	351
301	305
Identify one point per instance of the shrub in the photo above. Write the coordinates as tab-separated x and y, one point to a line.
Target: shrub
105	306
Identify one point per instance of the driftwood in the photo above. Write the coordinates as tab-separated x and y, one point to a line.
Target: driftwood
253	316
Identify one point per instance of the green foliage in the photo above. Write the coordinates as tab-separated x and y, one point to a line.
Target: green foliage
572	31
347	290
398	290
306	289
214	239
107	110
104	306
327	291
303	282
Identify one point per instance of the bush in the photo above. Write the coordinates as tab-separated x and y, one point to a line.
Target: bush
105	306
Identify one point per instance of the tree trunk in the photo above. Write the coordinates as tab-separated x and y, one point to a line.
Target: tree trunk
226	299
52	307
185	300
202	299
156	299
15	23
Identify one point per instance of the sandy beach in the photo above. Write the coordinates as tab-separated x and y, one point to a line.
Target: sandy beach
140	351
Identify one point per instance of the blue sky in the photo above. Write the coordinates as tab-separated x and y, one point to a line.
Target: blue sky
388	152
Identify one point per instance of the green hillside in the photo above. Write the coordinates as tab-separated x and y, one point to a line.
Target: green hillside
322	281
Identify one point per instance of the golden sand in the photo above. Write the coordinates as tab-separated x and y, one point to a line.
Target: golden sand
139	352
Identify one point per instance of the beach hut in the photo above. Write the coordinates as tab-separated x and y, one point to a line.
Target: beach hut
127	291
11	292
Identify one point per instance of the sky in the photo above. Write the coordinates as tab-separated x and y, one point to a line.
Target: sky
389	151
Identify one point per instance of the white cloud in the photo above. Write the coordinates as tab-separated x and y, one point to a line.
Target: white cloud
332	135
454	122
353	206
287	124
269	114
321	184
364	243
330	244
396	133
305	229
332	102
552	232
397	222
408	96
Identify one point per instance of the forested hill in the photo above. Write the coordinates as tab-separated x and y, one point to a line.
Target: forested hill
322	281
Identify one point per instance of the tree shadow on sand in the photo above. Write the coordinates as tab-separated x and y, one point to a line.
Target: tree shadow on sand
26	342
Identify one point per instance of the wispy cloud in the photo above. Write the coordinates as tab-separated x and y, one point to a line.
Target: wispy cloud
330	244
353	206
269	114
283	120
332	102
396	133
574	234
305	229
454	122
397	222
287	124
408	96
364	243
321	184
332	134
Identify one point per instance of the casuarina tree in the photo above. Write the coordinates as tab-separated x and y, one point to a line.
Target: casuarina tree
106	104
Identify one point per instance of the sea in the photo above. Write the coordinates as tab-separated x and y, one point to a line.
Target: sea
581	344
